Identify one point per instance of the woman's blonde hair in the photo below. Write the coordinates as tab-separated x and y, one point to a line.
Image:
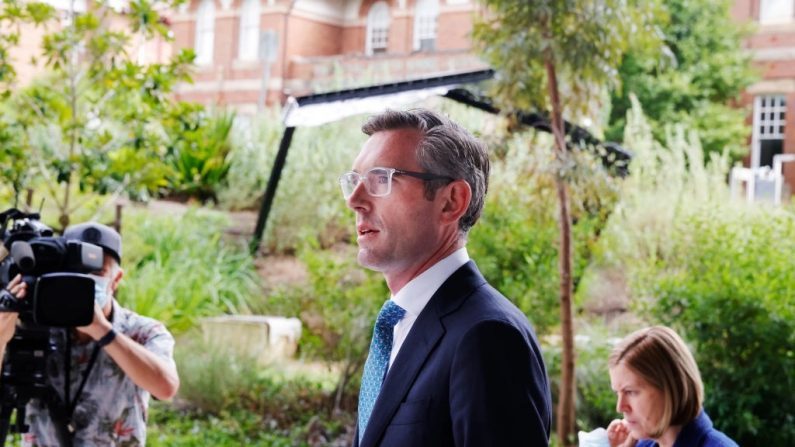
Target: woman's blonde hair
661	358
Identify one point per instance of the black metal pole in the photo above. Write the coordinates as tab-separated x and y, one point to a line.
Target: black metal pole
270	190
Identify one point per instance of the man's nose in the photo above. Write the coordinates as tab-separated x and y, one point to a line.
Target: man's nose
356	199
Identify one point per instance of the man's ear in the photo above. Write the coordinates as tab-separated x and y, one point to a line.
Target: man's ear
114	282
457	196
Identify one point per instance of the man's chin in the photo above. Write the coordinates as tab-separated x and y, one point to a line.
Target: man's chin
368	261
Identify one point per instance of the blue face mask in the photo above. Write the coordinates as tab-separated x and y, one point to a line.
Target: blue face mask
101	295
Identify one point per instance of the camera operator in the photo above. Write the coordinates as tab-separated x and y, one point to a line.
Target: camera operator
117	362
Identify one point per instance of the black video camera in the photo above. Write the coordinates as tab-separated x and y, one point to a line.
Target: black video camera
60	295
59	292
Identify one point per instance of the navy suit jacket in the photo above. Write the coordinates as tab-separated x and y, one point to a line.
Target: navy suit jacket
697	433
470	373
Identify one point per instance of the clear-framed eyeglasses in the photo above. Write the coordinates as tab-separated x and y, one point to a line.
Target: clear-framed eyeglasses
378	181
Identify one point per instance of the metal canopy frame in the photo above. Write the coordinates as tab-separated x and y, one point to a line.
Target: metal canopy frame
313	110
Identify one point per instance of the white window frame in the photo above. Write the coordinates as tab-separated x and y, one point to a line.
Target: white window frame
426	18
377	39
776	11
205	32
66	5
770	120
248	47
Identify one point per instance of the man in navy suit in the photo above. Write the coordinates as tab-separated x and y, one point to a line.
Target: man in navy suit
456	363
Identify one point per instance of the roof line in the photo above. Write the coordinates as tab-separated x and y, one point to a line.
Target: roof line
396	87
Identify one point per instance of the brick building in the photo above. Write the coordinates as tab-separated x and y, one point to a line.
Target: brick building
26	55
772	46
295	47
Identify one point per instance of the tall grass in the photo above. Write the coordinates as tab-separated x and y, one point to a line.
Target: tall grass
308	202
516	242
178	268
719	271
229	399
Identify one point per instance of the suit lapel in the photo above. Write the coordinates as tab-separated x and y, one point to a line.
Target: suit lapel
423	337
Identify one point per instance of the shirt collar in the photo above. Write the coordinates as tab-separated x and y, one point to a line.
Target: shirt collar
415	295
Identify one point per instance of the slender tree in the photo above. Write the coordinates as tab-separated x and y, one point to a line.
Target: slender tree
559	56
92	120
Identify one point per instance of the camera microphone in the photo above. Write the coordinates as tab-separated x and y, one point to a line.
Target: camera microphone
23	256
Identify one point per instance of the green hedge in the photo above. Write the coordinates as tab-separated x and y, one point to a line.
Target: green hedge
731	291
721	272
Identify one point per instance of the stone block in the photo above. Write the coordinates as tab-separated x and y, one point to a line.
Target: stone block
265	338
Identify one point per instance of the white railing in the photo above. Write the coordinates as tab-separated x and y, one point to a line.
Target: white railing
763	175
778	161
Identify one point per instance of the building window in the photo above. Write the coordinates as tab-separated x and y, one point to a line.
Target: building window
768	135
776	11
425	18
249	30
205	32
66	5
377	28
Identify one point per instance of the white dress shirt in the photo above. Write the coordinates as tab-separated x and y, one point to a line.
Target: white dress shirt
414	296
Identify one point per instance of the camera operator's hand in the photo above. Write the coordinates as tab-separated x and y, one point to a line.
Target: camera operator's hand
8	320
99	327
146	369
17	287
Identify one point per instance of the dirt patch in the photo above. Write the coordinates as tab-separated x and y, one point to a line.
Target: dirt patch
608	295
281	270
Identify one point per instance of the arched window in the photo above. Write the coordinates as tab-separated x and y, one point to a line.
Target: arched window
377	28
205	32
425	16
249	30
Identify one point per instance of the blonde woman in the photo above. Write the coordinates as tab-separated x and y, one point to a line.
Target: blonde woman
660	394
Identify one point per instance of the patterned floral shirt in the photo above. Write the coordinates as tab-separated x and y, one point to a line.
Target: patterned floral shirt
111	410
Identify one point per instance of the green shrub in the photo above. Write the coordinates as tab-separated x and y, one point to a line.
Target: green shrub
178	269
515	244
174	427
338	309
169	427
719	272
595	400
229	399
731	292
217	379
197	152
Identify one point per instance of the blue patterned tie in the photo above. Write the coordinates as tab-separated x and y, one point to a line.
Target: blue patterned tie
377	361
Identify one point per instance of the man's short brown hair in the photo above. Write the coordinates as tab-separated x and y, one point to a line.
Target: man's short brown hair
445	149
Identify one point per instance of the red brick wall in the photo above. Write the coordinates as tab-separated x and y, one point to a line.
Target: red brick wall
353	39
227	35
401	35
771	39
789	142
745	10
454	31
308	37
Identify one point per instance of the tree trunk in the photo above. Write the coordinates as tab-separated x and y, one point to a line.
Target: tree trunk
565	413
63	220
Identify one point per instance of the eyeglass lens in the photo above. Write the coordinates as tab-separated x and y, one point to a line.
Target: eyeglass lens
377	181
